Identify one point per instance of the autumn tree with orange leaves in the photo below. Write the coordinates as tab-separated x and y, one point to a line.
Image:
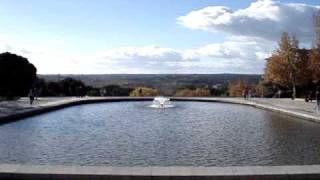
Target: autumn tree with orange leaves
237	88
314	65
288	65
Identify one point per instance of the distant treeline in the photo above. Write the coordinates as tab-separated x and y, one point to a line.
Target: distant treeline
159	81
18	76
73	87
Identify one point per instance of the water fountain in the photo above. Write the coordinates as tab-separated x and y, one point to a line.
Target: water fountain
161	102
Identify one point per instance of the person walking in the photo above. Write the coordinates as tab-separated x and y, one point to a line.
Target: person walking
279	93
31	96
310	96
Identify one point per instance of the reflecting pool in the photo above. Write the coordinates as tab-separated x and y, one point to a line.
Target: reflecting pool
132	134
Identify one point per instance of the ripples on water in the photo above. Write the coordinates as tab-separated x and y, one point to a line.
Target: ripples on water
131	134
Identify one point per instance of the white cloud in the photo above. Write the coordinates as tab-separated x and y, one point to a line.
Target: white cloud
146	53
147	59
263	18
253	33
236	55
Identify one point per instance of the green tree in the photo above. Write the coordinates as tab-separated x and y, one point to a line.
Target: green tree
73	87
17	75
115	90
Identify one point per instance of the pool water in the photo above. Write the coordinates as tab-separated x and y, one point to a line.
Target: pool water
132	134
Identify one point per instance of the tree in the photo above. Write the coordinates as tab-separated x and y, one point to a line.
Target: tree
236	88
198	92
288	66
315	52
73	87
17	75
54	89
115	90
41	87
261	89
316	22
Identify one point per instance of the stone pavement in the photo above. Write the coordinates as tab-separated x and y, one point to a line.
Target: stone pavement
298	105
8	108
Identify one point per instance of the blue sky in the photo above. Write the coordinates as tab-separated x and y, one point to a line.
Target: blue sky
106	24
86	28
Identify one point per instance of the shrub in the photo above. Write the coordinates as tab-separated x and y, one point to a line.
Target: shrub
144	91
115	90
193	93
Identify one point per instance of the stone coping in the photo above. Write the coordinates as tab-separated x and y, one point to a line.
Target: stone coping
282	172
257	105
160	171
12	171
51	106
60	104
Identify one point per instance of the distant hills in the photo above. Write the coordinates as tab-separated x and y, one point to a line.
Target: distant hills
160	81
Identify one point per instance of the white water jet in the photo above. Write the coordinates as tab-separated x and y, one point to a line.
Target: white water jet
161	102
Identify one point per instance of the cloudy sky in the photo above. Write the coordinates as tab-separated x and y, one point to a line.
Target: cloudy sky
151	36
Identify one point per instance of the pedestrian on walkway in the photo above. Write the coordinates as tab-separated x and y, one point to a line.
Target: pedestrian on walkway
31	96
35	93
249	94
310	96
279	93
245	93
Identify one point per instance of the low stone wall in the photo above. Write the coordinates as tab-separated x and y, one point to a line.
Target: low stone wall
133	173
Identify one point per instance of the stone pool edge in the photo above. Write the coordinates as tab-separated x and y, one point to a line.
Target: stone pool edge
9	171
78	101
52	106
256	105
17	171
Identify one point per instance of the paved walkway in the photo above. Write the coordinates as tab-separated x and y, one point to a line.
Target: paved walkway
297	107
8	108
